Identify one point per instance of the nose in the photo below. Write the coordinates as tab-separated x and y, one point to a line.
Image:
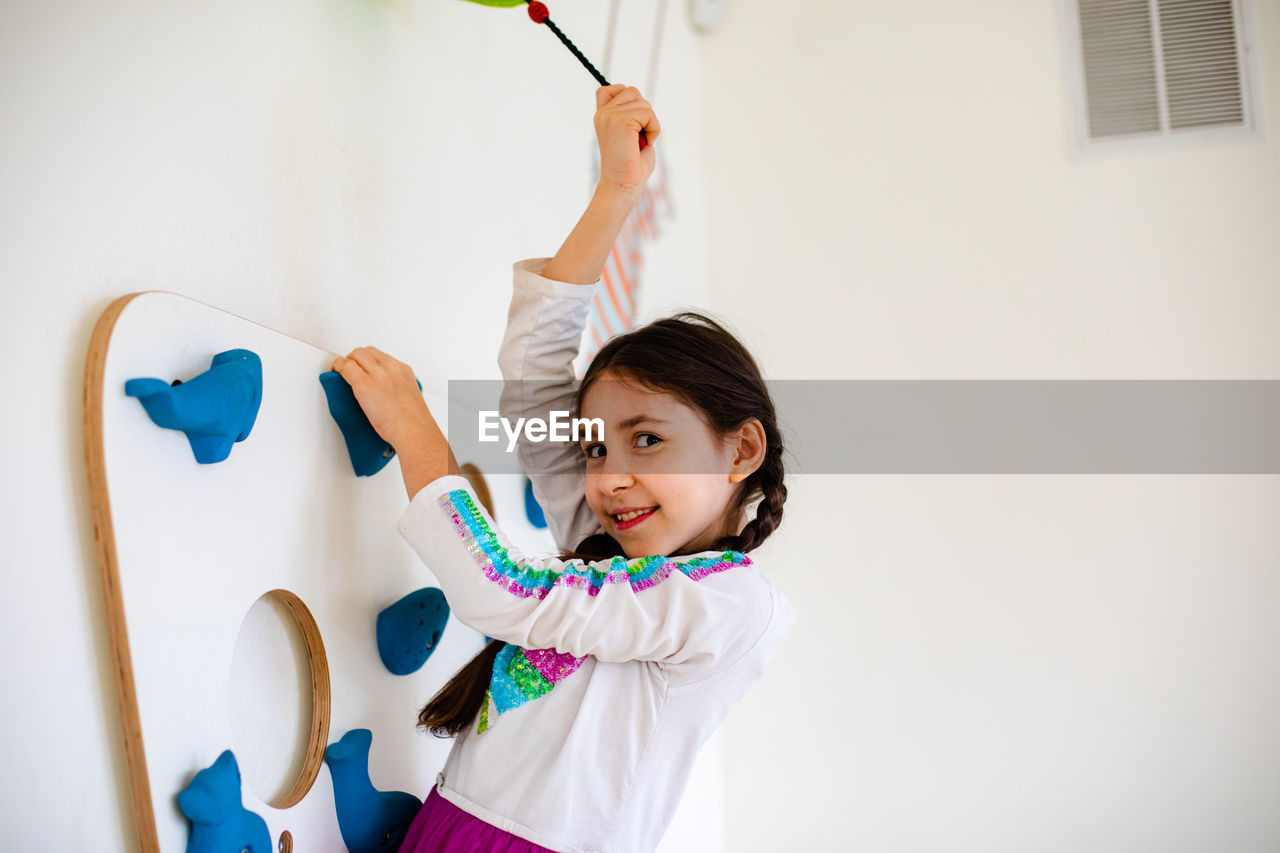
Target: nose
612	476
611	484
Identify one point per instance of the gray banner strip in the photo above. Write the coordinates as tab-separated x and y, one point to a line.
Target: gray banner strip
983	426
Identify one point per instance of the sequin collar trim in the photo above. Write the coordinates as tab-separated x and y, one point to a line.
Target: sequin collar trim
521	580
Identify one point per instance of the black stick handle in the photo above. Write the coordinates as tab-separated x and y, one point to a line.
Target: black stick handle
574	50
538	12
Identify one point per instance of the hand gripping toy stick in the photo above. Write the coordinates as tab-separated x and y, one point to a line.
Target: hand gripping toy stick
539	13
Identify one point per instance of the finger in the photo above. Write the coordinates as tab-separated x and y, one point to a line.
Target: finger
365	358
639	108
626	96
605	93
348	369
652	128
643	119
628	107
389	363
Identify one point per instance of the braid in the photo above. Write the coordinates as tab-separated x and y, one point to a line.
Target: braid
768	513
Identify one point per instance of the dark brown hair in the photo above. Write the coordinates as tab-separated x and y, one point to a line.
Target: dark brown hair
697	360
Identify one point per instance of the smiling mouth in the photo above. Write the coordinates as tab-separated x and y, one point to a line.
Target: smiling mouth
628	520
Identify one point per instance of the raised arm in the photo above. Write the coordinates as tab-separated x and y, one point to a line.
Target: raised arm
549	306
621	113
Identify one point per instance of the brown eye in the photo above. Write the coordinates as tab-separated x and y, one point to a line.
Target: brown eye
644	435
590	451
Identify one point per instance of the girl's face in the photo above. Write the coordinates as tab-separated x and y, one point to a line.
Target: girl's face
661	468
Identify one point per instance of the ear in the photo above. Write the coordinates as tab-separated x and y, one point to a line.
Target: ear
749	446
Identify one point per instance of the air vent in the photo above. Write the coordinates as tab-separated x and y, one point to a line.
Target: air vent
1154	69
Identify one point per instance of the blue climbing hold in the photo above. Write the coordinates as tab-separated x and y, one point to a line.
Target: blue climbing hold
532	510
368	451
370	821
215	409
219	820
409	630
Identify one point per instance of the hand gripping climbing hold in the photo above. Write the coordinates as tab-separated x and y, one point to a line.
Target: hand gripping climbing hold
368	451
215	409
219	820
409	630
370	821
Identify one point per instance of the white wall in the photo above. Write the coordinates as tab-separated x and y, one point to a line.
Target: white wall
350	172
1010	663
996	663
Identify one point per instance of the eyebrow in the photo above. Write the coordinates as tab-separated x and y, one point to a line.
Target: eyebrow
640	419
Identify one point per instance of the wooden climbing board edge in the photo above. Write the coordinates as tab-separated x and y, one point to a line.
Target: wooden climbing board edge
108	572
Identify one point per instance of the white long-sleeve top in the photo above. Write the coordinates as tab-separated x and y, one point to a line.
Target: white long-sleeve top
614	672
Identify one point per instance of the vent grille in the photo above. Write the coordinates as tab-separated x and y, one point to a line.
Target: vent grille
1201	66
1156	67
1119	67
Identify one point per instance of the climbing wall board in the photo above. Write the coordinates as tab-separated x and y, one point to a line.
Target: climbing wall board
185	549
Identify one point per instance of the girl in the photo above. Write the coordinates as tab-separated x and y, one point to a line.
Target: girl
623	655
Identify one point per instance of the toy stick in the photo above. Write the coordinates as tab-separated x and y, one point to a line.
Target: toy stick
539	14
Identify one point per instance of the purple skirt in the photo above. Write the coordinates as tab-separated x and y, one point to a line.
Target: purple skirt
442	827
